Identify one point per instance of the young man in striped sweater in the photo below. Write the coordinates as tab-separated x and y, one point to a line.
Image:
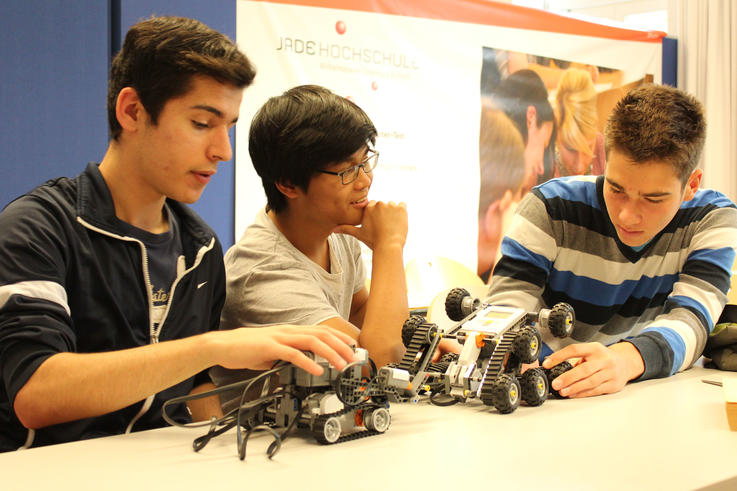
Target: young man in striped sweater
641	253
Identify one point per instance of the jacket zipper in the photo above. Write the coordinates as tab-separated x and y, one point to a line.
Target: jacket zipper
154	334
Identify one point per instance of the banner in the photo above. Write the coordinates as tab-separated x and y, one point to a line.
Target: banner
425	73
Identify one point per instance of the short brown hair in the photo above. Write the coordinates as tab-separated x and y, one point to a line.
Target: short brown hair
658	123
160	56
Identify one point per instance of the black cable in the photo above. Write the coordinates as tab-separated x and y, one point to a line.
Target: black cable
271	451
243	440
200	442
240	440
449	402
227	421
201	395
278	437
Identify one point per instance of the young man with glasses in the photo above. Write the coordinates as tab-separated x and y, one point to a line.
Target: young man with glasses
300	262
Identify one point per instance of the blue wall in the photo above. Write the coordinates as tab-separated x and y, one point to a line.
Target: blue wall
670	62
54	59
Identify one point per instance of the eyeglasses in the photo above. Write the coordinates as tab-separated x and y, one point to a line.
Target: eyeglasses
351	174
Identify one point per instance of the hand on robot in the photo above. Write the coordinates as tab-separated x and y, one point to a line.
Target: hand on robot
600	370
259	348
446	346
384	224
527	366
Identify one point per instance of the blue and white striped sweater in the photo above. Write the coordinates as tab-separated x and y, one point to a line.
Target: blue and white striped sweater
664	298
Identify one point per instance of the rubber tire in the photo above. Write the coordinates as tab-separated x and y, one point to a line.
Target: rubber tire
527	345
554	373
327	430
449	358
409	327
377	419
535	386
506	393
453	303
561	320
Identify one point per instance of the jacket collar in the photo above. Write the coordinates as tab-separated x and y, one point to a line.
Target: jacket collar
95	206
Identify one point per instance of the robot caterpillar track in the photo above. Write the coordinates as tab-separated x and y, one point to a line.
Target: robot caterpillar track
496	341
334	407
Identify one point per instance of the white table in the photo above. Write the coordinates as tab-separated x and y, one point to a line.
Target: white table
668	434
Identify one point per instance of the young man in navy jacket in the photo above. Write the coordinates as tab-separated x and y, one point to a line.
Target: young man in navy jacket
110	288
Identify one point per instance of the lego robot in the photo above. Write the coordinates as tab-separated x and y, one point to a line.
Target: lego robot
336	406
496	341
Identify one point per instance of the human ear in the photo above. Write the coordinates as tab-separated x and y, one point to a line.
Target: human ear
286	188
129	109
531	117
491	218
506	201
692	185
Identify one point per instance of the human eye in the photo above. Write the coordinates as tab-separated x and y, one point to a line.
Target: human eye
200	125
654	200
348	175
352	170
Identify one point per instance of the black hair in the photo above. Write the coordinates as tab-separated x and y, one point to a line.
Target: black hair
517	92
297	134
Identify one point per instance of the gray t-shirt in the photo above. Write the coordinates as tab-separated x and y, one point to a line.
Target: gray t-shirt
269	281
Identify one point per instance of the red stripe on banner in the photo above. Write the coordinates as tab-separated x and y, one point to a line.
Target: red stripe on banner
484	12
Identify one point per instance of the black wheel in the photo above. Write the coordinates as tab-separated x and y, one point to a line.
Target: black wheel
535	386
561	320
454	304
448	358
377	419
527	344
327	430
409	327
505	393
439	367
554	373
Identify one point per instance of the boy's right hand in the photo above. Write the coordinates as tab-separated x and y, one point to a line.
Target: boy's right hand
383	224
258	348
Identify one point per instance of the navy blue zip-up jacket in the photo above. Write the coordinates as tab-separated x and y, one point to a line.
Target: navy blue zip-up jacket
72	281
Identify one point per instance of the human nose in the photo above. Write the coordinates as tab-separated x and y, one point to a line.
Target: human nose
364	178
538	167
629	214
584	163
220	149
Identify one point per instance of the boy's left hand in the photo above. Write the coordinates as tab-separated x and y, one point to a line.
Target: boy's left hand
383	224
600	370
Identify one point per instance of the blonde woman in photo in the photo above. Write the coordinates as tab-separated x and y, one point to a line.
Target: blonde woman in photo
580	145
